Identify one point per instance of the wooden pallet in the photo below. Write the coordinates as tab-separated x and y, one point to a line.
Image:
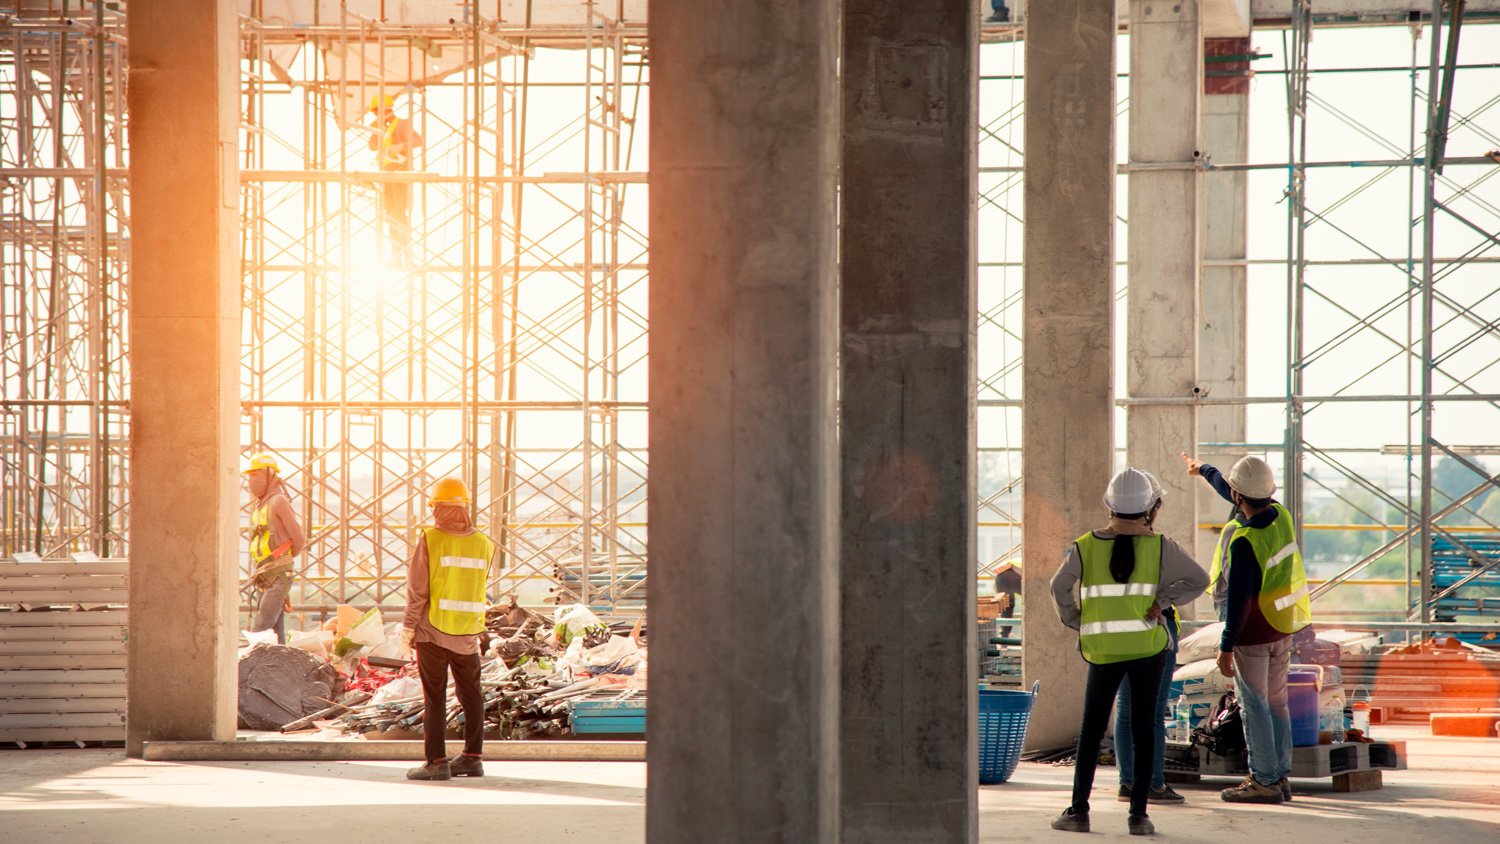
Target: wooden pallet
1341	762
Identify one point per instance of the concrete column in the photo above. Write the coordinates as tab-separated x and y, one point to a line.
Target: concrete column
1069	277
1221	333
907	435
1161	352
744	537
184	359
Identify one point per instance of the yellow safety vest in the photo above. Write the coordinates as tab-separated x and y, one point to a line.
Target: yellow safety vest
261	548
457	575
1283	580
1114	626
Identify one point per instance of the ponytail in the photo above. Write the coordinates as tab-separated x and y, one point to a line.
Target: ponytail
1122	558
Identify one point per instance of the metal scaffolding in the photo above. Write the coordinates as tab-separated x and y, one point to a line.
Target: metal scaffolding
1392	314
64	232
507	347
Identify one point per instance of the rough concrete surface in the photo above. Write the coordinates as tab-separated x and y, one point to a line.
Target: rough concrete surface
1451	793
1069	281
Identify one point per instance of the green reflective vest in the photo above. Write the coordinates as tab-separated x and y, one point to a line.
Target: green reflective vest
457	573
1283	580
1114	626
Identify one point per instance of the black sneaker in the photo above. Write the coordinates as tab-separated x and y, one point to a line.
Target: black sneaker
1068	821
1165	796
1286	788
1140	825
1161	796
466	766
431	771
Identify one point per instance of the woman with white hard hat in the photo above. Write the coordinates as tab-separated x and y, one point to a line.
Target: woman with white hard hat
1113	586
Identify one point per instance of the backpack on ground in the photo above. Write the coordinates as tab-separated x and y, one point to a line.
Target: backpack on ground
1223	732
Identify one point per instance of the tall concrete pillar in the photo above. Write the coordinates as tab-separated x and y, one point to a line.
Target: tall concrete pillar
1069	278
184	361
1221	334
1161	350
907	435
744	473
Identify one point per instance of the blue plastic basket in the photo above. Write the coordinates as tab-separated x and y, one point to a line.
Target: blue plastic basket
1003	715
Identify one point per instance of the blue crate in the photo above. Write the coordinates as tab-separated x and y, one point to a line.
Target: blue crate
1003	716
609	715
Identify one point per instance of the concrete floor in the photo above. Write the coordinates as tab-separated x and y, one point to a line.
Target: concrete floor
1451	794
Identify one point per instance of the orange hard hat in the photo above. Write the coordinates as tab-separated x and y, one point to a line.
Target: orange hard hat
449	491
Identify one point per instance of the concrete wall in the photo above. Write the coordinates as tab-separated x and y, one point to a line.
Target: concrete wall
907	422
743	475
1166	88
184	360
1068	379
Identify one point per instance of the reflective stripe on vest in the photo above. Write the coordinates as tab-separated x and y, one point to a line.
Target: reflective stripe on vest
457	575
1283	580
1114	626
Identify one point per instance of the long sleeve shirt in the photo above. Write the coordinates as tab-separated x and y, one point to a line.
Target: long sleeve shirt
1182	580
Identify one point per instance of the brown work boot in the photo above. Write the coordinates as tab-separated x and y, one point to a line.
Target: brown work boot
464	765
1251	791
1286	788
431	771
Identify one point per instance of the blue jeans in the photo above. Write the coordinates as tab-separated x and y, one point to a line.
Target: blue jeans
1260	684
1125	748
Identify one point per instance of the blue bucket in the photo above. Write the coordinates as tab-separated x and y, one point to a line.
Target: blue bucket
1302	700
1003	716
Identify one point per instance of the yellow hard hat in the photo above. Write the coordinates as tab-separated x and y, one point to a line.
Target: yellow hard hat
262	461
449	491
378	100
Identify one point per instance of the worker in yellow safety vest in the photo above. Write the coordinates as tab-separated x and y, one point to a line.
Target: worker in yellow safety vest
394	143
1114	587
446	582
1266	601
276	540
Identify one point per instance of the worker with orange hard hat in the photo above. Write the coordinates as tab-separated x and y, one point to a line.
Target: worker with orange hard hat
446	581
276	539
394	143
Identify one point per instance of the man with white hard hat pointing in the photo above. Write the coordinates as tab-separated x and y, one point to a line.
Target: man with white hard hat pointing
1265	602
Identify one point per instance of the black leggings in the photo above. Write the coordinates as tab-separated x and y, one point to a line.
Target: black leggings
1144	677
433	662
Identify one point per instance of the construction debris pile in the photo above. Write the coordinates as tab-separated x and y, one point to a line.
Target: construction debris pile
534	670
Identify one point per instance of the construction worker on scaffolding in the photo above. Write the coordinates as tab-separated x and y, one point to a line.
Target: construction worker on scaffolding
394	143
446	580
276	539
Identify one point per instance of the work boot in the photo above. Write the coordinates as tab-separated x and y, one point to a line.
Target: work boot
1069	821
1286	788
438	770
464	765
1251	791
1140	825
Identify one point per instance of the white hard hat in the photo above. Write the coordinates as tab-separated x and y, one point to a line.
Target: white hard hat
1252	478
1130	492
1155	484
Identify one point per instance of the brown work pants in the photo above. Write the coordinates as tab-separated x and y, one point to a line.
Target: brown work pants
433	665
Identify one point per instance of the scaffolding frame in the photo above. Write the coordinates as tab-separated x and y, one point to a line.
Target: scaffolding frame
506	333
1451	333
64	257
